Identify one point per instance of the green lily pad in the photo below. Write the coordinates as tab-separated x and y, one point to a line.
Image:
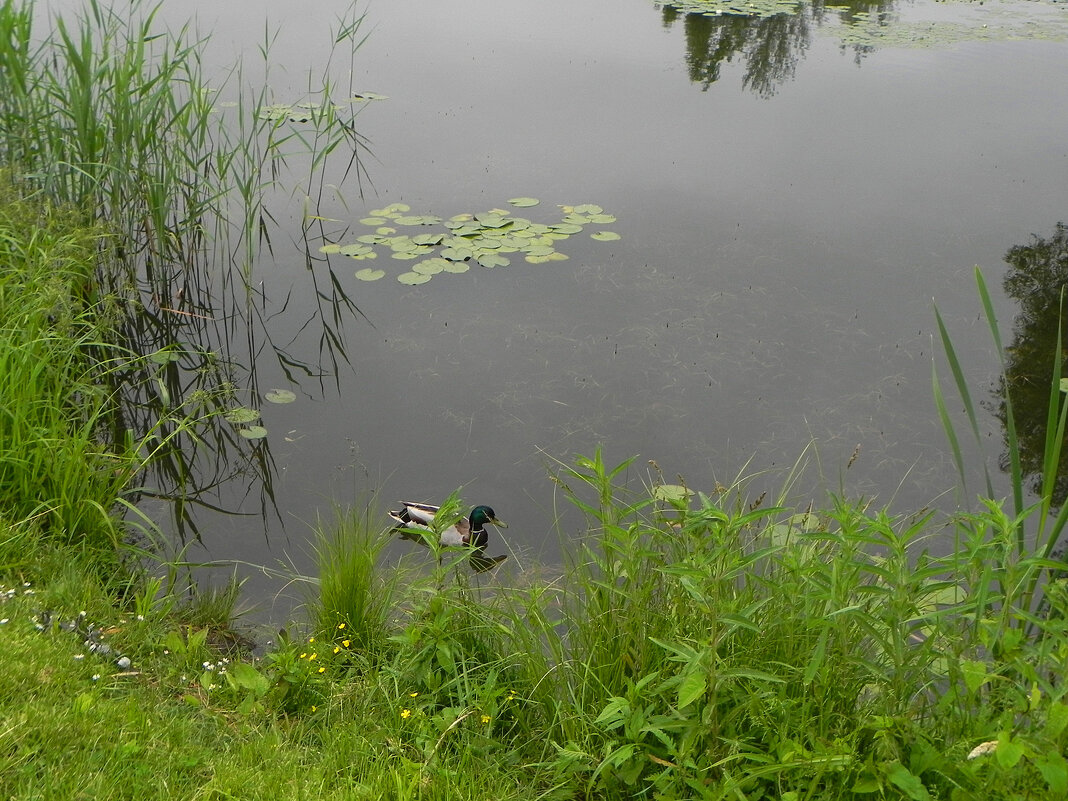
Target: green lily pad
253	432
672	493
602	219
524	202
280	396
493	260
429	266
457	266
373	220
355	250
605	236
332	248
413	278
368	274
456	254
492	220
165	356
567	228
241	415
588	208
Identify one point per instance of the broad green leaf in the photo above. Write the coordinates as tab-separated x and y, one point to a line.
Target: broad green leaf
975	674
241	415
1054	770
369	274
671	492
588	208
493	260
567	228
457	267
355	250
524	202
253	432
1056	719
456	254
280	396
413	278
906	781
692	687
332	248
373	220
429	266
605	236
165	356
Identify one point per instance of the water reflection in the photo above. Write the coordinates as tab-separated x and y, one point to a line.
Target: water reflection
1038	274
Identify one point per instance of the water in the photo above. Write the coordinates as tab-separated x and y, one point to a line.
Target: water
782	241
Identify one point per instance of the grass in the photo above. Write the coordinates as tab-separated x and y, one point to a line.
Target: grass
694	646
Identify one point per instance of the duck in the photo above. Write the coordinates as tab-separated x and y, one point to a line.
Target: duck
467	532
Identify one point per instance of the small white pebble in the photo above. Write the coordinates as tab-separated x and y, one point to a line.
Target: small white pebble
4	620
96	677
123	662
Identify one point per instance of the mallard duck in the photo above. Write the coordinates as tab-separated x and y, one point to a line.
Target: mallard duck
469	532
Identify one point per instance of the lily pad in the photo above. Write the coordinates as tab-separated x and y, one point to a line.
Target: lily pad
355	250
373	220
165	356
280	396
493	260
332	248
456	254
369	274
241	415
413	278
457	266
253	432
605	236
672	493
524	202
429	266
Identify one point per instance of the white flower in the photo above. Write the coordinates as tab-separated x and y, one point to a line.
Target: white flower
989	747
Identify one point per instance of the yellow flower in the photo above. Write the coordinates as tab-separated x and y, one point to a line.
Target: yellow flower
413	695
485	718
311	639
322	670
303	655
406	713
337	648
341	625
314	707
313	656
346	643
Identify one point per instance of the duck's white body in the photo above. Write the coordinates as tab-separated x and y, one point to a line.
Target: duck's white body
466	532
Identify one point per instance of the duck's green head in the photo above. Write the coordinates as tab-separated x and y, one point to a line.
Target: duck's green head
481	515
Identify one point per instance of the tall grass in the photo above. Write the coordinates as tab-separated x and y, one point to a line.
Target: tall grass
56	464
696	647
1033	530
109	111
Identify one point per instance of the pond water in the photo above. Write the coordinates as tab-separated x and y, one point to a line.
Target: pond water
789	201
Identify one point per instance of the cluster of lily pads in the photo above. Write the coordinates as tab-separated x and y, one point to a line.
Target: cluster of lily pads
482	238
736	8
244	417
310	111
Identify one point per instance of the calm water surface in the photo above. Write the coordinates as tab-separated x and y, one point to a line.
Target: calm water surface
783	236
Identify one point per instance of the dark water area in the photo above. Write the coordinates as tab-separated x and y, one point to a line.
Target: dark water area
784	233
